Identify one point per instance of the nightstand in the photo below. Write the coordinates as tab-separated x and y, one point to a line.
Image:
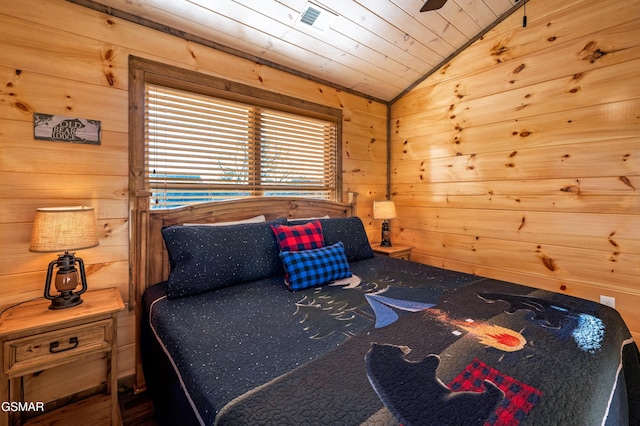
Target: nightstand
35	338
397	251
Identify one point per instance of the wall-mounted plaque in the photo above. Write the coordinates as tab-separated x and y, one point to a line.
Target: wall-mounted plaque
47	127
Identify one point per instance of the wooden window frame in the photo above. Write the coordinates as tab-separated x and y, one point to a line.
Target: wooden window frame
194	141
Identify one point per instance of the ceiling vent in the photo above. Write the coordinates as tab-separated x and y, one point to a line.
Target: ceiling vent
316	17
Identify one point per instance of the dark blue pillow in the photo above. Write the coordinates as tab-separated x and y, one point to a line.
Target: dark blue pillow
349	230
204	258
316	267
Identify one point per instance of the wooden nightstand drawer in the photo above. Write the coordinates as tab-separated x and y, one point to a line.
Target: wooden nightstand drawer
45	350
397	251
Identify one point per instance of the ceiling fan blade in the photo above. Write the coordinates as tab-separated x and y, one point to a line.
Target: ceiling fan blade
432	5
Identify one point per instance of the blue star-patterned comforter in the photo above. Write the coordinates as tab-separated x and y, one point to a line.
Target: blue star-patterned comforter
398	343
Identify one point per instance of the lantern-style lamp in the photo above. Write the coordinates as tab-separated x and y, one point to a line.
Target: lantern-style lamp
384	210
58	229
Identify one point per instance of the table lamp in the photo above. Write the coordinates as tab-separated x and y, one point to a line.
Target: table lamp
57	229
384	210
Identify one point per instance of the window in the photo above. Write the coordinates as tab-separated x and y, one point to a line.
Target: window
203	148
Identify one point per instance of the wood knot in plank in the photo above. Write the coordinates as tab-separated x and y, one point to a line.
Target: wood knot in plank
594	56
111	79
574	189
519	68
23	107
107	230
498	50
548	262
627	182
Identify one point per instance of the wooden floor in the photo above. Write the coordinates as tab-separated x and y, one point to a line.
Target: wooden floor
137	410
95	410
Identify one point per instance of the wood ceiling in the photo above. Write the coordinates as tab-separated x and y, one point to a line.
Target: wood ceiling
378	48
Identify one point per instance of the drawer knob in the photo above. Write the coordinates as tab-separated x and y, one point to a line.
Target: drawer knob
54	346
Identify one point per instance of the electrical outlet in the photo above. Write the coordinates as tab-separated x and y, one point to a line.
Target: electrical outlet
609	301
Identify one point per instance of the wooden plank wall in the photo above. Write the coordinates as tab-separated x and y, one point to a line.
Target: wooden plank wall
60	58
520	158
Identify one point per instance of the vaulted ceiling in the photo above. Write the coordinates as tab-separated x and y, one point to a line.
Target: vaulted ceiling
378	48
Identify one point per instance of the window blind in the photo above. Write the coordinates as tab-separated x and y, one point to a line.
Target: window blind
201	148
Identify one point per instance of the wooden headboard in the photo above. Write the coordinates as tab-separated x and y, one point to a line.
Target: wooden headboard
222	211
152	263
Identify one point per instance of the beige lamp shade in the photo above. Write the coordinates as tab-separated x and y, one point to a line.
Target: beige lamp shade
63	229
384	210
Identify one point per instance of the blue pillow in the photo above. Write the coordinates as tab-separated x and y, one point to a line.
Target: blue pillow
204	258
316	267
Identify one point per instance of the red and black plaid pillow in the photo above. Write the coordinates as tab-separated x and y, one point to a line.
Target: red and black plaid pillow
299	237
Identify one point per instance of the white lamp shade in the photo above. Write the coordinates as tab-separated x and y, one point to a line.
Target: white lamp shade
63	229
384	210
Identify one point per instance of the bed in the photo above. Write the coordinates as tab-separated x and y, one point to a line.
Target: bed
282	320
